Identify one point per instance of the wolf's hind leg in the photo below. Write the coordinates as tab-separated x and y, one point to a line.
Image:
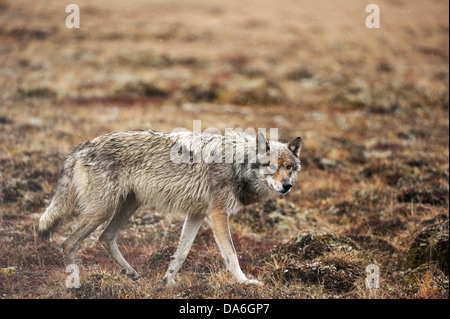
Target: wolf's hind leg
218	221
72	243
109	235
191	226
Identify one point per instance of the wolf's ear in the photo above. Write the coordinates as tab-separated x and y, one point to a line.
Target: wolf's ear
262	144
295	146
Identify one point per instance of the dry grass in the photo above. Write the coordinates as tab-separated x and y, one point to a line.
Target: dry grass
371	106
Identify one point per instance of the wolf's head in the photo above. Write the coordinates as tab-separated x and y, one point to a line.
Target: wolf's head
277	163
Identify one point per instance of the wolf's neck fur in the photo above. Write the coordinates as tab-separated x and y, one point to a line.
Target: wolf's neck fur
248	189
246	192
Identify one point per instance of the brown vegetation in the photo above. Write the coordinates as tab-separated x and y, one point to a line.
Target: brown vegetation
371	105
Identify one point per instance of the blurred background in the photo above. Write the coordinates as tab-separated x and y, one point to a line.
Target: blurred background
371	105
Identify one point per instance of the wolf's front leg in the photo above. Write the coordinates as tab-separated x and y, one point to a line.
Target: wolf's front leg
188	233
218	221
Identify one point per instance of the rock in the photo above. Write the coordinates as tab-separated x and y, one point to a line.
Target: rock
430	244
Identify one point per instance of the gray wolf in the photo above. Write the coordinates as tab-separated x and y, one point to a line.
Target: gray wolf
204	176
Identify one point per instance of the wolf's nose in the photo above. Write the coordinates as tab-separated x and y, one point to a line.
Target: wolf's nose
287	186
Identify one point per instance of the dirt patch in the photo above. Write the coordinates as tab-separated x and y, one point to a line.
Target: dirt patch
310	246
140	88
270	215
430	244
160	259
338	275
319	259
435	195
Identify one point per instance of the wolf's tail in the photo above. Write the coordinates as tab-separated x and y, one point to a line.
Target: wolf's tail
61	206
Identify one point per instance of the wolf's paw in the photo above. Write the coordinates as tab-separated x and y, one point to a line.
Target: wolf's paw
133	274
168	281
252	282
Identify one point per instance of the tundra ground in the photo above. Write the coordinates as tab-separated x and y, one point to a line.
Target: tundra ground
372	106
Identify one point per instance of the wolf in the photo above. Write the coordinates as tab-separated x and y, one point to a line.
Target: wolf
203	176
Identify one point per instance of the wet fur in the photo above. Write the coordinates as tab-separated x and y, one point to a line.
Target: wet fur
109	177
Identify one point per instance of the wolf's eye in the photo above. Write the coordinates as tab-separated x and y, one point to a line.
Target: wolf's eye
288	167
